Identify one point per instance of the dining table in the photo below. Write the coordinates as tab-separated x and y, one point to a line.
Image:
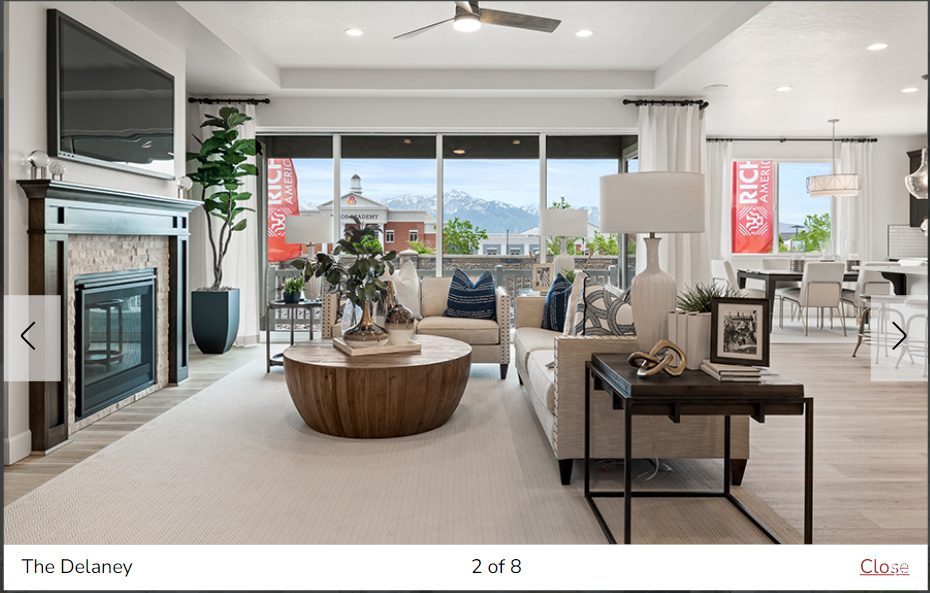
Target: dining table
772	278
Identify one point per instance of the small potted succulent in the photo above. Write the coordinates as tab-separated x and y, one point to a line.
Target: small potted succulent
692	320
292	288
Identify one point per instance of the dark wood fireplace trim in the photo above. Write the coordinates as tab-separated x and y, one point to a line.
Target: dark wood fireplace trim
57	210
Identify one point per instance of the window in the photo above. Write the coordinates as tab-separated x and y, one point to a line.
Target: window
772	211
414	235
491	193
516	251
575	165
490	250
389	236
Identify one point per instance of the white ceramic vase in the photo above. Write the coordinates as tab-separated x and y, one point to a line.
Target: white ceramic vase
653	295
697	346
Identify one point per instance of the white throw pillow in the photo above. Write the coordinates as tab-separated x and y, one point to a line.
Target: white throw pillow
407	287
570	312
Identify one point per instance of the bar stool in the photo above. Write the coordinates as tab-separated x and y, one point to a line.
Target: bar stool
880	318
919	303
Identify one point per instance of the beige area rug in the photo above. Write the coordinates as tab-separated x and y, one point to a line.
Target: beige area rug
235	464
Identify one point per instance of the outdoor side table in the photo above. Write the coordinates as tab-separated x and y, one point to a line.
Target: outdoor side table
308	305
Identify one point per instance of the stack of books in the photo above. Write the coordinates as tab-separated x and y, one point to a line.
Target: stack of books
732	372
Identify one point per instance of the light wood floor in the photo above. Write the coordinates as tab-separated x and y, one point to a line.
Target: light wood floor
870	444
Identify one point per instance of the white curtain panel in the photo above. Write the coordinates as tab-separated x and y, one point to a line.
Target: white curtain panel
240	266
672	138
719	198
852	224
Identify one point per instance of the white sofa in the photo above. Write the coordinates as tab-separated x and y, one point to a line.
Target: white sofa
489	339
557	397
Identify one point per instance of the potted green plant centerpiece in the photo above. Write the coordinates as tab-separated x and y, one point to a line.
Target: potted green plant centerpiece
292	288
360	270
221	172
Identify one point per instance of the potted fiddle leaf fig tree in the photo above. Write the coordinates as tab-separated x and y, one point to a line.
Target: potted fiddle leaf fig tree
360	273
221	173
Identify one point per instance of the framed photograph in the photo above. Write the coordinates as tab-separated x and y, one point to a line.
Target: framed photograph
542	277
739	331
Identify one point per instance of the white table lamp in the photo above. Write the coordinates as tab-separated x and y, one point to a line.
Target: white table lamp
652	202
308	229
563	223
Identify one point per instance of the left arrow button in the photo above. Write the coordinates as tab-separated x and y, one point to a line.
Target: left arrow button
23	335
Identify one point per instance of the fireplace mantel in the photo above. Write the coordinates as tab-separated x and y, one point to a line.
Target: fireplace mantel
58	210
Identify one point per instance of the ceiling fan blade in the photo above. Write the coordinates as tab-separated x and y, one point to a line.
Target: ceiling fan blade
415	32
520	21
471	7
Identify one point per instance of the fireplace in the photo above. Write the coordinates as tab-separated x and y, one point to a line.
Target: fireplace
114	337
118	260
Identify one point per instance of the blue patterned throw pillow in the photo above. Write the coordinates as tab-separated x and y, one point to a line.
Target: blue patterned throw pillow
472	300
604	312
556	304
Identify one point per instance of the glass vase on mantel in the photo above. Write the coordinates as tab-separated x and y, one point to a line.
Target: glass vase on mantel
366	332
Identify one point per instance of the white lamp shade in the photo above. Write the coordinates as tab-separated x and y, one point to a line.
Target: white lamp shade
308	229
564	222
825	186
652	202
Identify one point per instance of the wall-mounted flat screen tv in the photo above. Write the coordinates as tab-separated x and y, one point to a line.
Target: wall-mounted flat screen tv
106	105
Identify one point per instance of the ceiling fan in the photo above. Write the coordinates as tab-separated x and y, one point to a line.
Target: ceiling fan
468	17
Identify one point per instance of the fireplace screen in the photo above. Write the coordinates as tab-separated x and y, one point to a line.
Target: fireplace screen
114	337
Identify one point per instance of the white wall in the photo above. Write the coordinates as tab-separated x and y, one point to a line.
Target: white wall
890	165
330	114
25	131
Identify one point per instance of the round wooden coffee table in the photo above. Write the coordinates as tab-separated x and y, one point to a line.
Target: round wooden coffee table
377	396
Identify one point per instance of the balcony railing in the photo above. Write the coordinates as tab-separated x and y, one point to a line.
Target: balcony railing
513	280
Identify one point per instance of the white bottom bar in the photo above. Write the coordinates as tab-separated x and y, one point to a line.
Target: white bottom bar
466	567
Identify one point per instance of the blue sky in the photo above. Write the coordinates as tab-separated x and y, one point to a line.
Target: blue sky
794	203
514	182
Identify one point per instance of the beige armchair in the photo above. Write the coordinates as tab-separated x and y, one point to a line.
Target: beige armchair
489	338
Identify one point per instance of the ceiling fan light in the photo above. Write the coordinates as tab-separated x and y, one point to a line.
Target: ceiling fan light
466	23
825	186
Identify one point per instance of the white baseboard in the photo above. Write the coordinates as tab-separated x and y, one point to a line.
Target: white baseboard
17	447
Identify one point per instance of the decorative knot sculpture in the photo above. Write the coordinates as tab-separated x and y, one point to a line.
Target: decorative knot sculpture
665	356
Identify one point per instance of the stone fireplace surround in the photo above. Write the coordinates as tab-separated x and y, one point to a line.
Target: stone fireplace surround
83	229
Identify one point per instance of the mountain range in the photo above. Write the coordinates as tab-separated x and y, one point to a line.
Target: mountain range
492	215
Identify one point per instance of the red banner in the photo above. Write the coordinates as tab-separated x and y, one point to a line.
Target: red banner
282	202
753	206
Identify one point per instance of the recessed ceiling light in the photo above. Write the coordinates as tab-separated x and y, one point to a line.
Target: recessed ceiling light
459	151
353	32
407	140
910	89
584	33
715	87
877	46
516	142
783	89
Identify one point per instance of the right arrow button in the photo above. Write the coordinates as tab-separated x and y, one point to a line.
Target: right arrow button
903	335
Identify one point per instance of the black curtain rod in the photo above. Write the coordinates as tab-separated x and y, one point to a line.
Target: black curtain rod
209	101
859	140
702	105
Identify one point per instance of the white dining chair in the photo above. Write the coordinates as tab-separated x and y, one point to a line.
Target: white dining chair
868	283
821	288
733	281
776	263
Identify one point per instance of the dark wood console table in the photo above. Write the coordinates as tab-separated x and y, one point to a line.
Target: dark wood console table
698	394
